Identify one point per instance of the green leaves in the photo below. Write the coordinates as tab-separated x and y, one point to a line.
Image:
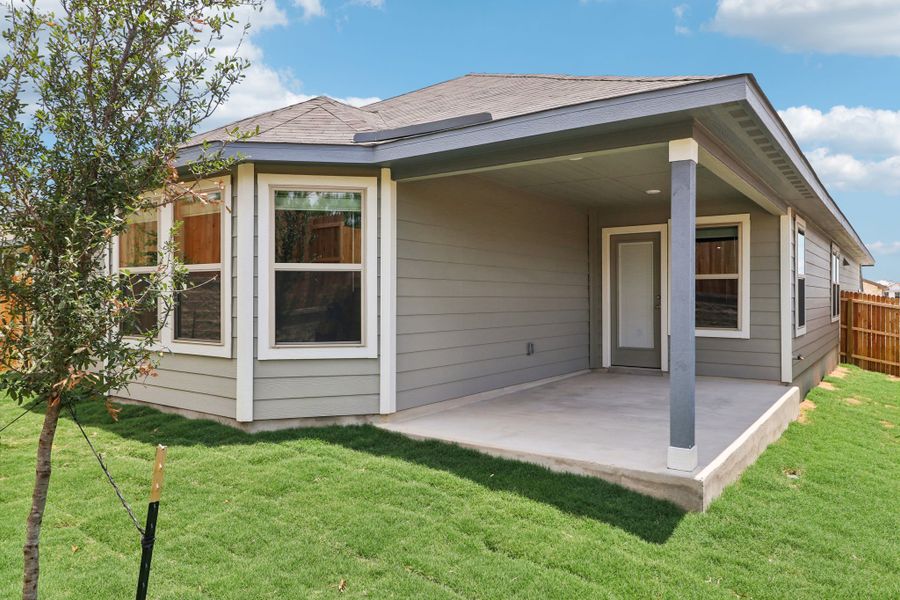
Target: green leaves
95	103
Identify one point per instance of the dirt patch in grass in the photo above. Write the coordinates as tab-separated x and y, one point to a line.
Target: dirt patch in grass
893	378
853	401
887	425
827	386
840	372
805	406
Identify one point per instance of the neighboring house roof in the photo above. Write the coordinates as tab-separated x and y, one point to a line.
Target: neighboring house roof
323	120
881	285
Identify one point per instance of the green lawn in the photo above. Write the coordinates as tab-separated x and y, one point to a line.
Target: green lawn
292	514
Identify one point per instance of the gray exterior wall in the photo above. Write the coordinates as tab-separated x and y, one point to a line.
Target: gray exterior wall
851	276
822	335
204	384
760	356
482	271
285	389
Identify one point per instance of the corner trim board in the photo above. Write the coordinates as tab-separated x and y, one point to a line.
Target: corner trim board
246	203
387	370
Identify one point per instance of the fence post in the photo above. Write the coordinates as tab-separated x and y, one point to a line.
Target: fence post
851	334
150	529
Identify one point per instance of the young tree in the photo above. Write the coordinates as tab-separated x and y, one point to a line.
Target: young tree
95	101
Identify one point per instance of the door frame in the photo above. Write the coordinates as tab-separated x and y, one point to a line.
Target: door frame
606	234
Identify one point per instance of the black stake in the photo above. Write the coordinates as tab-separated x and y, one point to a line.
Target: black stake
149	536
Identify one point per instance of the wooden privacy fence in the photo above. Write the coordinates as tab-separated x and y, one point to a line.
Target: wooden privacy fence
870	332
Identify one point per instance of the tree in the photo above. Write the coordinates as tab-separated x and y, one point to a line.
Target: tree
95	102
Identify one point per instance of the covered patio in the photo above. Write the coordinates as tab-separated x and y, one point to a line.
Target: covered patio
615	426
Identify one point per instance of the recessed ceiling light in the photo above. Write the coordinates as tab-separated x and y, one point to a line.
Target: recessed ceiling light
652	192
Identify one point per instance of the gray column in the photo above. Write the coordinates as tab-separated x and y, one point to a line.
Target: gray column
682	379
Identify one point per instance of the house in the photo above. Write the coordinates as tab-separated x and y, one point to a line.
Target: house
891	290
632	277
876	288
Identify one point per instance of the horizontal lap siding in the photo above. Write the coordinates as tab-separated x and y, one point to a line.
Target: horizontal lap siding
822	335
850	276
285	389
200	383
760	356
482	271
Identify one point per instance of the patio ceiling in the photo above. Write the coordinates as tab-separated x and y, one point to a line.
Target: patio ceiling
608	179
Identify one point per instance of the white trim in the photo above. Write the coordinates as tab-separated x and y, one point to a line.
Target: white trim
684	149
266	350
682	459
743	223
387	367
246	208
222	348
787	359
799	223
165	221
834	278
606	319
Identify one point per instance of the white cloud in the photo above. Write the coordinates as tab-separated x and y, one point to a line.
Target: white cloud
369	3
680	13
311	8
851	148
867	27
263	87
860	130
885	248
845	171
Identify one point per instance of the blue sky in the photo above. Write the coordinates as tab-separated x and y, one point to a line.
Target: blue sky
830	66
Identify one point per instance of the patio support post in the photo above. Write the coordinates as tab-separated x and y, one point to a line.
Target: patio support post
683	157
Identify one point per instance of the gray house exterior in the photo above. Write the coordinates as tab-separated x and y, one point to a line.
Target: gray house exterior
507	230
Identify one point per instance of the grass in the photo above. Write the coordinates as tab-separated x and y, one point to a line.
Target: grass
292	514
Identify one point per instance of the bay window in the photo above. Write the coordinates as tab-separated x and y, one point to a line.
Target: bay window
201	323
138	257
198	308
317	266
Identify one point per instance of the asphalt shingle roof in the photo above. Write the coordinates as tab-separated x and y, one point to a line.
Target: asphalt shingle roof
323	120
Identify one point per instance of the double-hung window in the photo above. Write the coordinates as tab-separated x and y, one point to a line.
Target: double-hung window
201	323
317	267
198	242
835	283
800	270
722	251
136	258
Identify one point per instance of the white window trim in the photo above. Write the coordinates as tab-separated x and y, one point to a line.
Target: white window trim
799	224
166	219
835	278
742	220
267	350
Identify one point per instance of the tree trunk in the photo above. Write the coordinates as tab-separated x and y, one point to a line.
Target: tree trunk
38	501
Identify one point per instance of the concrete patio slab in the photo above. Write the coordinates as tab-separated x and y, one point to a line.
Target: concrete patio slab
616	426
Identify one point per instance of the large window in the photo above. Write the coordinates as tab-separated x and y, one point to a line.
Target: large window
800	270
317	267
835	283
137	259
718	277
722	271
201	323
198	308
